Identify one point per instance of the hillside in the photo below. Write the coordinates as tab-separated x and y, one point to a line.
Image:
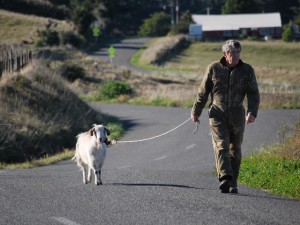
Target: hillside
20	28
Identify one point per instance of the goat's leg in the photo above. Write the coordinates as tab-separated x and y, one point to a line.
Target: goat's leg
98	180
89	176
83	174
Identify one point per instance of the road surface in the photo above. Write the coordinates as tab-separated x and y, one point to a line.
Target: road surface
124	50
167	180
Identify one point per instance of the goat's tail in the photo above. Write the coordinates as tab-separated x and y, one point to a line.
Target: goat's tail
74	158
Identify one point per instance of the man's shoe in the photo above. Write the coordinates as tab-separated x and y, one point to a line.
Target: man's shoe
234	190
224	186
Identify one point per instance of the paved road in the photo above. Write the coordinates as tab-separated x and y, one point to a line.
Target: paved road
168	180
124	50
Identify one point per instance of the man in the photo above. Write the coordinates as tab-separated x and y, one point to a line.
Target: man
227	82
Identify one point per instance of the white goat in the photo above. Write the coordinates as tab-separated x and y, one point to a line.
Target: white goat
90	152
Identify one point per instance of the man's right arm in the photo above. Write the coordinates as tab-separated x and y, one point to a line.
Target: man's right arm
202	96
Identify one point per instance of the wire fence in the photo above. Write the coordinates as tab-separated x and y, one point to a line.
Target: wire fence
13	58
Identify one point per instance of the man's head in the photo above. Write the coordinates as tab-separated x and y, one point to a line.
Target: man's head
231	51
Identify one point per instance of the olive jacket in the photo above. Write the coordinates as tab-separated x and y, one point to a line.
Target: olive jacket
227	89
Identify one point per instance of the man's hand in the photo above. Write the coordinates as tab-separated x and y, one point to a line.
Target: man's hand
195	118
250	118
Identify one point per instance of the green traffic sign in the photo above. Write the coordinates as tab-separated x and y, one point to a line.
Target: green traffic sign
112	52
96	32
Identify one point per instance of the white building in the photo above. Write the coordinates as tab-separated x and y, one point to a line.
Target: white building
240	25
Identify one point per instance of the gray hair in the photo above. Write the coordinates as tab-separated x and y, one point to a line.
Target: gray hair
231	44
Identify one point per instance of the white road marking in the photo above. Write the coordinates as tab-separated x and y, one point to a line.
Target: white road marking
190	146
65	221
160	158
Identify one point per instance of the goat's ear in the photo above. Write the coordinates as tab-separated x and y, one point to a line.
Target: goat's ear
91	131
107	131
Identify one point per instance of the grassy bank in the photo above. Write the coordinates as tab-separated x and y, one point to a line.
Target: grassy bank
275	168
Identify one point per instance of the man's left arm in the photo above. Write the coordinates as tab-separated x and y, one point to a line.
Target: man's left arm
253	97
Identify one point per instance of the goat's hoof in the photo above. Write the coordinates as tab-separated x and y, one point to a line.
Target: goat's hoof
99	183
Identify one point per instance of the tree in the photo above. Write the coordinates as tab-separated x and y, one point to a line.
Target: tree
287	34
240	6
289	9
157	25
183	25
84	13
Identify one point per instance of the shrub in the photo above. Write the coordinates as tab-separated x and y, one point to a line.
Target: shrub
71	38
113	89
157	25
48	37
71	72
287	34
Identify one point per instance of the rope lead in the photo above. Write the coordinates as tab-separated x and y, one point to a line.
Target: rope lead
146	139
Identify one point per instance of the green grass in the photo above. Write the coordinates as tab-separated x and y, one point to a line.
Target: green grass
268	171
275	168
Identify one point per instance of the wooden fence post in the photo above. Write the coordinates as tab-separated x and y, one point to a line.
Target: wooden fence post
13	58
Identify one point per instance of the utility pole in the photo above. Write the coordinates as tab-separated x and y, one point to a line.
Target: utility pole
172	12
207	10
177	11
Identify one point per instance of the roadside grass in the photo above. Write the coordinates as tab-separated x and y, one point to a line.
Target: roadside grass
275	168
272	173
45	161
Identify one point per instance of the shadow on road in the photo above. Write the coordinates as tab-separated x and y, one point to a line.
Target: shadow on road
157	185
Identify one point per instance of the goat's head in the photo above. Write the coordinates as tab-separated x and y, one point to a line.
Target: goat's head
101	132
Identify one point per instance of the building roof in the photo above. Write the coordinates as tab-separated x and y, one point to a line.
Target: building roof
237	21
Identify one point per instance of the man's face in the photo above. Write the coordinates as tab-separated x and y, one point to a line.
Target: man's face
232	57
